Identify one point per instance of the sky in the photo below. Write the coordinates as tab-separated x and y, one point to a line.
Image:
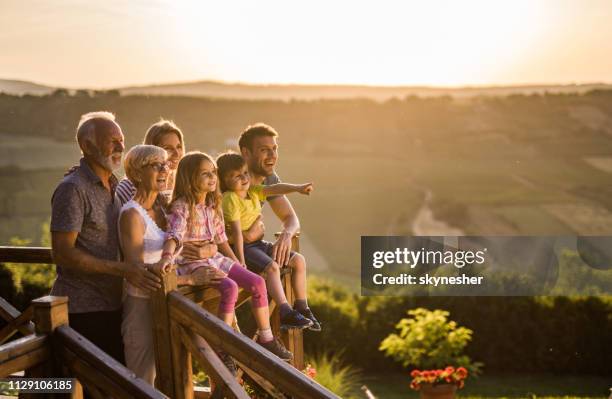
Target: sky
84	44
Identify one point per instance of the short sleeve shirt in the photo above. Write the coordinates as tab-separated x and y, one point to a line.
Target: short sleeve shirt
269	180
246	210
83	205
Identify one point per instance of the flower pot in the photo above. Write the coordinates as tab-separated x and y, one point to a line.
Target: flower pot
441	391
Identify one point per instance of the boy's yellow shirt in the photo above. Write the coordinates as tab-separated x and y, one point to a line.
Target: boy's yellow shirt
244	209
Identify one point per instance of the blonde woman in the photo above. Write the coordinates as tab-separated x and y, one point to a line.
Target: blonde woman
141	236
168	136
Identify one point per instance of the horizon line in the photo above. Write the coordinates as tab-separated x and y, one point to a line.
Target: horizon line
277	84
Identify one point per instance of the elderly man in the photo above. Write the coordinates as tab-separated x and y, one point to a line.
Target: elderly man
85	239
259	148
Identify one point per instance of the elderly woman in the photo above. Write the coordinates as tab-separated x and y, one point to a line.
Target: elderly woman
141	236
164	134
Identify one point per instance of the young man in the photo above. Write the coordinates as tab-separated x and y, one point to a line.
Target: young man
259	148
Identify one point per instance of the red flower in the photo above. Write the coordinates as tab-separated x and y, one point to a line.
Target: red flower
449	370
462	372
310	371
415	373
415	386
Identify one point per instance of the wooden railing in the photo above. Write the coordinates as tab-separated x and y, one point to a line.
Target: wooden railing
184	328
56	350
16	321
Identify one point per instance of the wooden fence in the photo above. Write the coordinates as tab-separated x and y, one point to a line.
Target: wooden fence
184	328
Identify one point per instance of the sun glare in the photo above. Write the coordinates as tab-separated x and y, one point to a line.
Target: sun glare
389	43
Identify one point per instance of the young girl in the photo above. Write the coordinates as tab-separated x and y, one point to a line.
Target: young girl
241	209
195	215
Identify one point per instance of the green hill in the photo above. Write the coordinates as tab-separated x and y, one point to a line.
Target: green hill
537	164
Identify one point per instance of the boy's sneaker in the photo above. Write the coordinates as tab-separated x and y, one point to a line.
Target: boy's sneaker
307	313
294	319
277	348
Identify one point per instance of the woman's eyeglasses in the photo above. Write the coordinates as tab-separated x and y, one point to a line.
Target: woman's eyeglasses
159	166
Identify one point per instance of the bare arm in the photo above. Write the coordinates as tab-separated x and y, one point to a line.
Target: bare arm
165	263
67	255
226	250
236	233
286	188
67	217
255	232
194	250
131	231
291	225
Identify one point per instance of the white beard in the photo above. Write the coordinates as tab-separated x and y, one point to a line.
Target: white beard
108	163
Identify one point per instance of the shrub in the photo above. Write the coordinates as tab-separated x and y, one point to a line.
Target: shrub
329	371
428	340
511	334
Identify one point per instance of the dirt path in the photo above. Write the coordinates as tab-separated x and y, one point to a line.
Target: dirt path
425	223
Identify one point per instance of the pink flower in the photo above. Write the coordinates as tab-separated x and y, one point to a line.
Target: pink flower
310	371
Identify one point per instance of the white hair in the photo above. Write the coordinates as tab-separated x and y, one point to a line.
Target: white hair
86	130
138	157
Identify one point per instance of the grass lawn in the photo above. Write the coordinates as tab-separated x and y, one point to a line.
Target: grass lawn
395	386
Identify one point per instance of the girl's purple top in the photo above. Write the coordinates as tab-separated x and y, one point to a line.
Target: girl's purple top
205	225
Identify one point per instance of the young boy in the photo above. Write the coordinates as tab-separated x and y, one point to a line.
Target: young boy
241	209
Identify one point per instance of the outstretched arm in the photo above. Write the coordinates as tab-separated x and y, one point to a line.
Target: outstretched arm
286	188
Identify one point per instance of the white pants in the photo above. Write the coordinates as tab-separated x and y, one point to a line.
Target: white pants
137	332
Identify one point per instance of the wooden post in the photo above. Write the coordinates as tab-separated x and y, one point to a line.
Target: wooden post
162	337
50	312
181	365
292	339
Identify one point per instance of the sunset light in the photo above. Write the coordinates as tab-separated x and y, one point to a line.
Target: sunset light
439	43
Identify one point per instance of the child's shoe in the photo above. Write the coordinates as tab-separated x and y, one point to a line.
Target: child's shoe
294	319
307	313
278	349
